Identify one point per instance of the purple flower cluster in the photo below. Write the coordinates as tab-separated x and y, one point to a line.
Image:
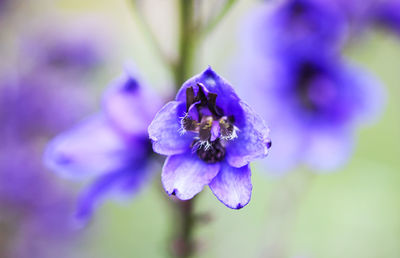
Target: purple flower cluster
210	136
312	96
111	146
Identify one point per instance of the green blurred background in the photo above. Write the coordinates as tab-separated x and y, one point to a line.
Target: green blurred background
354	212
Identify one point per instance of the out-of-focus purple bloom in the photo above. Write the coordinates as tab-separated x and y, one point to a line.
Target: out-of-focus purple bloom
296	22
312	97
112	146
77	54
364	14
387	15
210	136
35	212
35	100
38	99
71	54
314	103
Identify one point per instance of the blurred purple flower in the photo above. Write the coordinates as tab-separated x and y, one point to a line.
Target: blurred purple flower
295	23
37	99
35	102
35	211
364	14
71	54
210	136
387	15
314	102
313	98
112	146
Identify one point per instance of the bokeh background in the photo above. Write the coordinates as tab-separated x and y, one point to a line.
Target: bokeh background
353	212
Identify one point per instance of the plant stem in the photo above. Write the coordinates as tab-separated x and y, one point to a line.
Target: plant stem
189	37
185	245
210	26
183	67
187	42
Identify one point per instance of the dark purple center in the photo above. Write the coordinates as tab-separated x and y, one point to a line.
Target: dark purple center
206	119
315	88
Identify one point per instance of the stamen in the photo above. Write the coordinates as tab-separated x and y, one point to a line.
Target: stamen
212	104
189	98
188	124
205	128
228	130
201	95
199	144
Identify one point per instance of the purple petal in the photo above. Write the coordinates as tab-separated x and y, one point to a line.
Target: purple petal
93	147
366	96
164	130
130	106
185	175
127	181
227	99
328	149
252	142
232	186
289	143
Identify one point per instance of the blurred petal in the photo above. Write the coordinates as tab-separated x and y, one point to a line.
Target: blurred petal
232	186
93	147
252	142
185	175
289	143
127	181
164	130
129	105
368	95
328	150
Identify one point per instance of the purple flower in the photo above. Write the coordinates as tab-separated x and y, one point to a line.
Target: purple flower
295	23
111	146
314	102
210	136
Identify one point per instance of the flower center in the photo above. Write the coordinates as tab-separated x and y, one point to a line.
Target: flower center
208	121
213	153
315	90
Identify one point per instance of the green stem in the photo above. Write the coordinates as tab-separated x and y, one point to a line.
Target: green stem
187	42
212	24
189	37
183	69
185	244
